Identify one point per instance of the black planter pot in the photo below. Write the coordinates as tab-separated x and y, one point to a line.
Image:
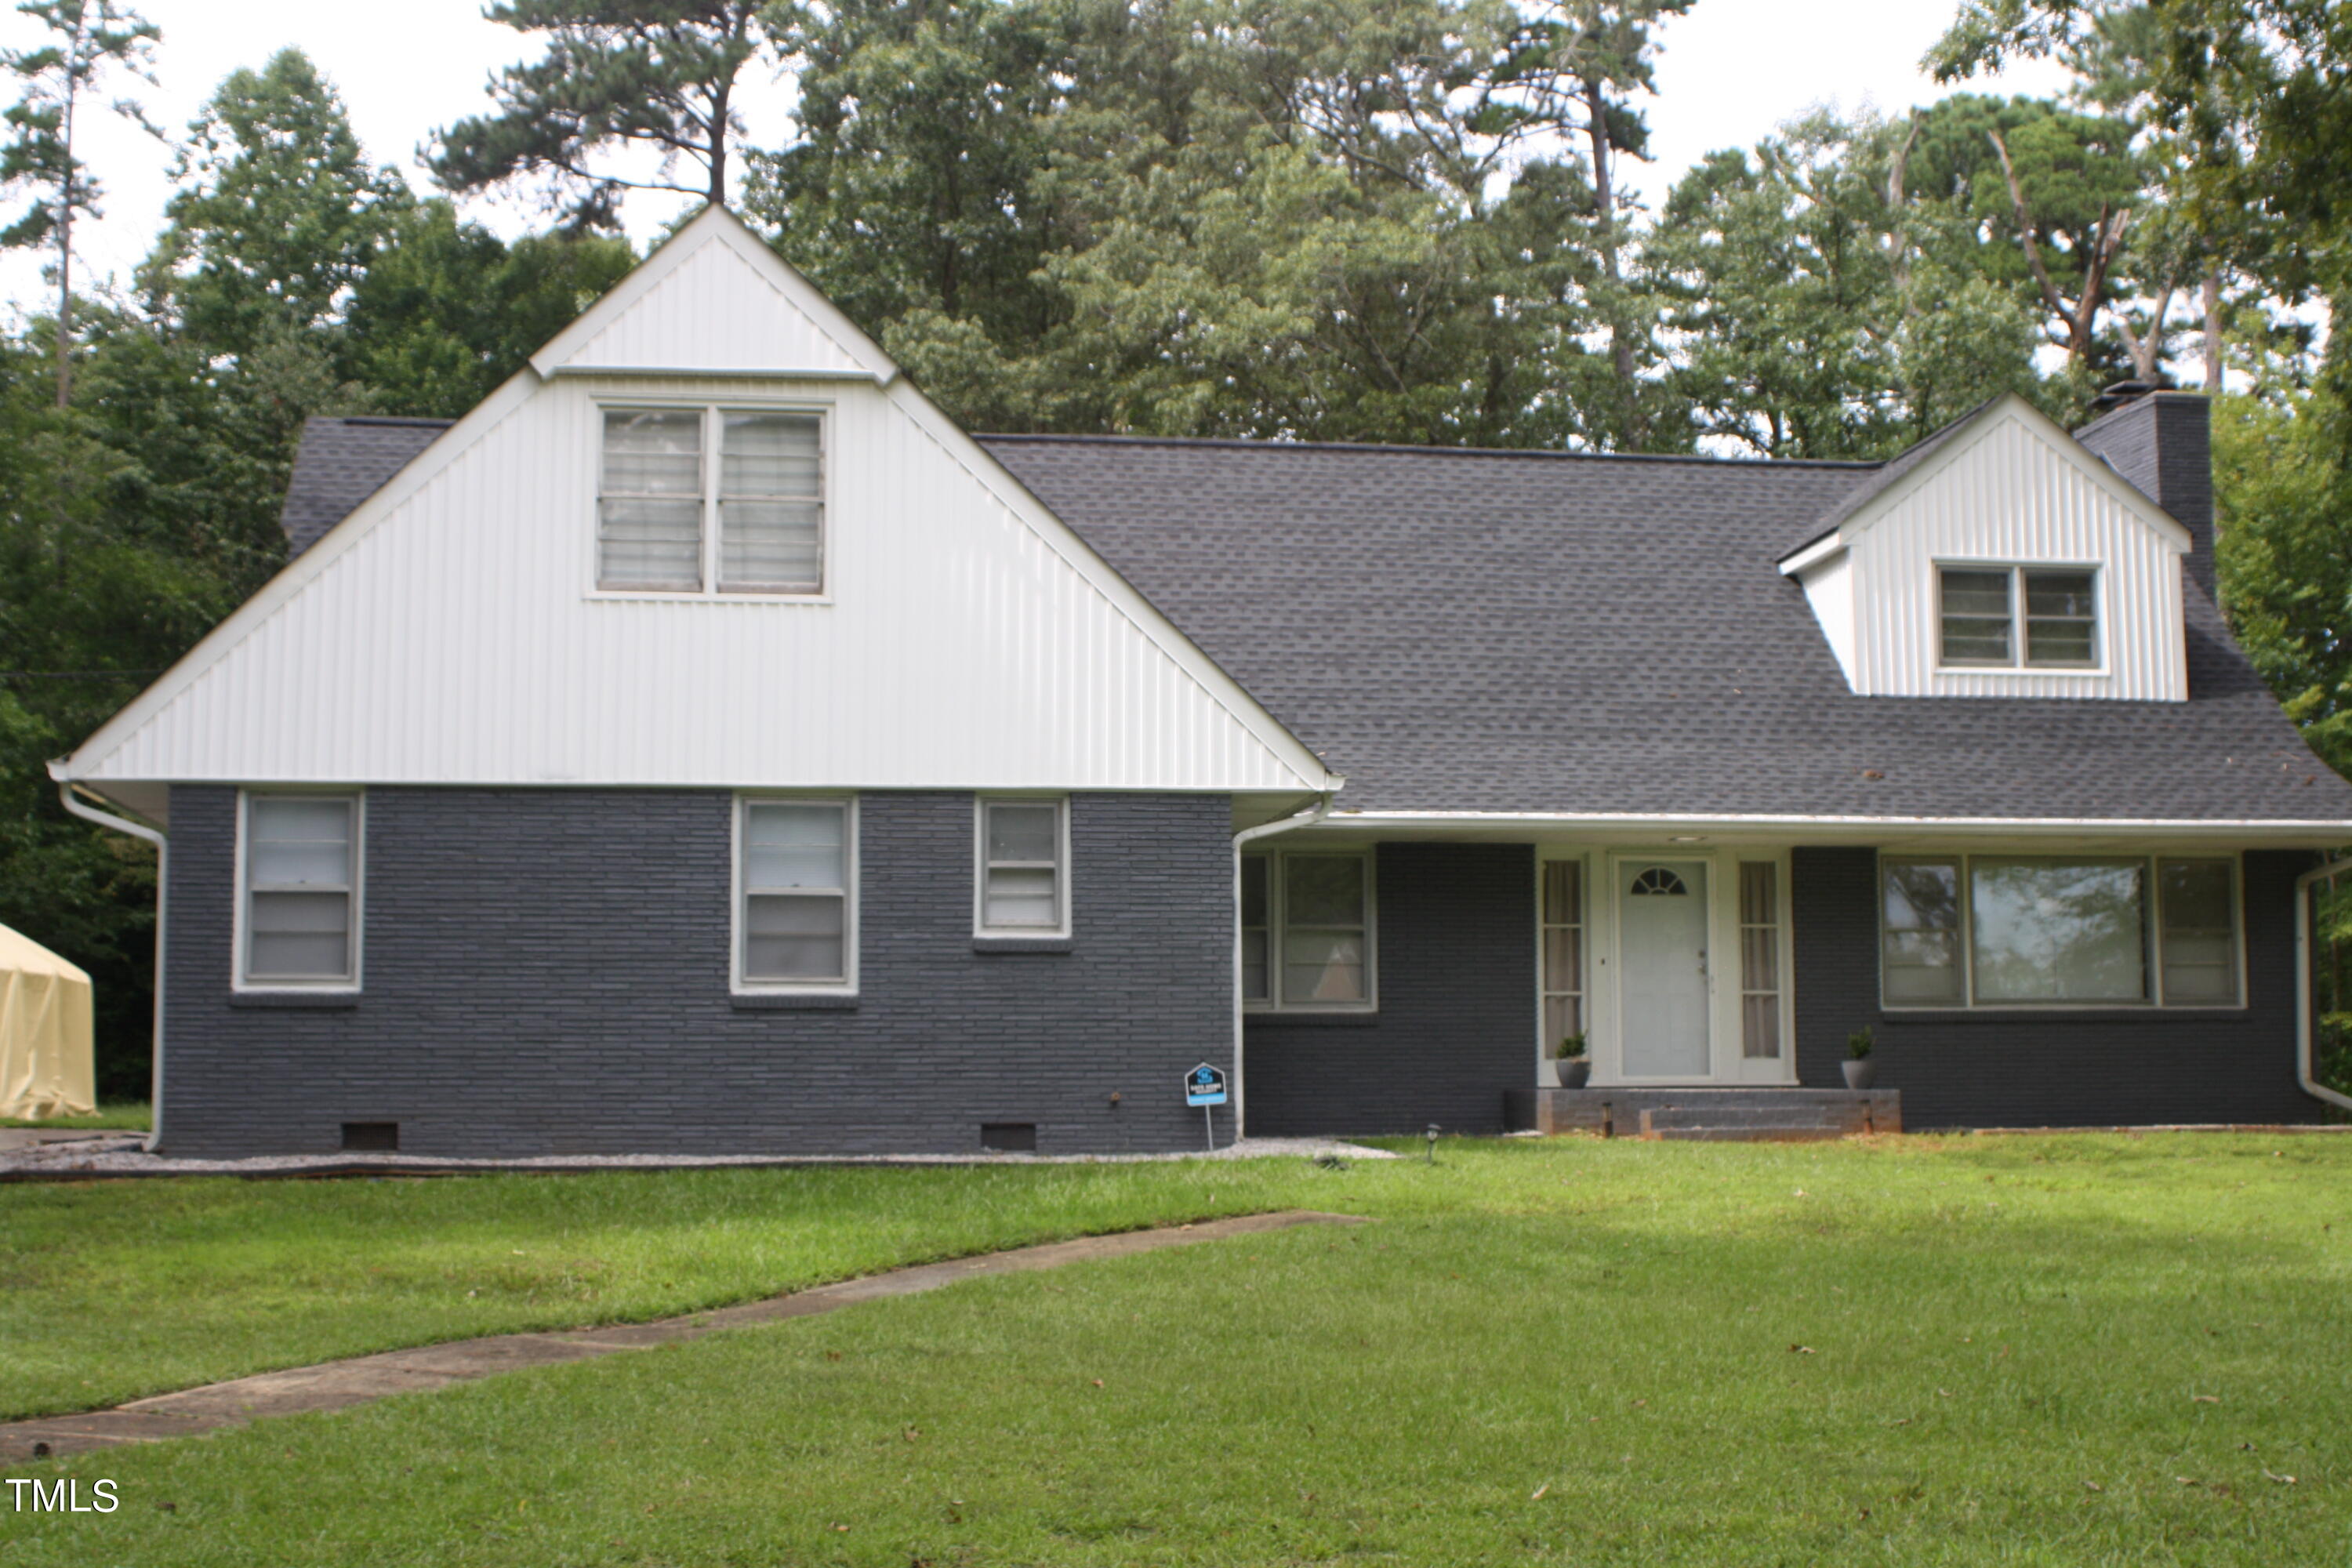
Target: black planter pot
1860	1073
1574	1071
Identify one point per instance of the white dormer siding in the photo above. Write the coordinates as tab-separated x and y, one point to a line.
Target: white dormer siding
453	629
2010	490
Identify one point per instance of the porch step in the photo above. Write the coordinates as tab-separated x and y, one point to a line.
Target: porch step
1744	1135
1713	1114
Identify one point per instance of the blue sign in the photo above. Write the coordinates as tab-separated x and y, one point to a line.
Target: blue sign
1205	1085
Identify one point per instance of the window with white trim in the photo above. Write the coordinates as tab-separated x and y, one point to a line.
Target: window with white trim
2010	931
715	499
1759	960
1563	952
1023	874
1257	936
299	915
796	894
1317	940
2009	617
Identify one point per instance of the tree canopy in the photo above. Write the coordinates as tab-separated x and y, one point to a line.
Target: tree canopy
648	76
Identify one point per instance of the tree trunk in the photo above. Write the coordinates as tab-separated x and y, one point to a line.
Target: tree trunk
2081	323
1606	197
718	193
1621	353
65	236
2212	331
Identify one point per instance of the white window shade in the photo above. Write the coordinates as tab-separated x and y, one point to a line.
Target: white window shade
1255	919
771	507
2199	913
1324	951
301	885
1921	960
1021	867
1306	931
649	501
796	917
1563	952
1759	960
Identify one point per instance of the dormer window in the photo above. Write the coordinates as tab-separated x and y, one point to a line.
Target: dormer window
2010	617
712	500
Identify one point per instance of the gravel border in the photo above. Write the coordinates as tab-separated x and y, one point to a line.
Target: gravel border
123	1156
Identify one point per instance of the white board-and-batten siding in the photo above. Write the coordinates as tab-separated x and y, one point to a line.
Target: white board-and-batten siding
698	316
451	630
2009	493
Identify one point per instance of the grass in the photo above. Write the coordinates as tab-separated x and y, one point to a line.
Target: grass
1970	1350
131	1117
110	1290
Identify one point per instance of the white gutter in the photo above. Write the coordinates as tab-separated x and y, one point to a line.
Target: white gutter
2303	1021
1313	814
163	908
2299	833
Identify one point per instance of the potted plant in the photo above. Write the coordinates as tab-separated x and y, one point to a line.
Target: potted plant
1860	1071
1574	1066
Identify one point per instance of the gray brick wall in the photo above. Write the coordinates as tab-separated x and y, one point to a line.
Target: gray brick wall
2052	1069
2164	444
546	973
1456	1023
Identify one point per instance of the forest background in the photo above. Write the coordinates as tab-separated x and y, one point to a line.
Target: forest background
1360	220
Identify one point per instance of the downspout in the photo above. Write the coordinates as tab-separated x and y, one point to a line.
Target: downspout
2305	1024
1247	836
163	908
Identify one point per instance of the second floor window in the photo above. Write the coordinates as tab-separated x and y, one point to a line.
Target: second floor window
2006	617
693	500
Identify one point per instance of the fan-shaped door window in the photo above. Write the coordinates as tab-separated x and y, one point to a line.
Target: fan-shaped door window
1658	881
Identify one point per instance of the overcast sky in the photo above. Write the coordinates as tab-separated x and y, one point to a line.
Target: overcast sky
1728	73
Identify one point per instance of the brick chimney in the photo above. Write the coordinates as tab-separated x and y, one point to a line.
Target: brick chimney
2163	443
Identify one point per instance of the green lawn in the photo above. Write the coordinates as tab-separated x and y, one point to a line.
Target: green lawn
1986	1351
129	1118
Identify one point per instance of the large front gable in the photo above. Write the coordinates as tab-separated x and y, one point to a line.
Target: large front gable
936	627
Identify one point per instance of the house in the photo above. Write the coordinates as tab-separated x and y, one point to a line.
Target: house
704	745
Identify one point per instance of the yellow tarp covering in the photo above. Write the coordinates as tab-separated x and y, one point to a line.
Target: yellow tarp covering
46	1065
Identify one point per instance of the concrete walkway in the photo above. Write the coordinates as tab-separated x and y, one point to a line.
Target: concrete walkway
105	1156
331	1385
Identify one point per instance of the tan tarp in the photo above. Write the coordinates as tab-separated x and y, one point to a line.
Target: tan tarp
45	1033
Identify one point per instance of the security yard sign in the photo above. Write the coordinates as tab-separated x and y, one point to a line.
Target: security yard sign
1204	1086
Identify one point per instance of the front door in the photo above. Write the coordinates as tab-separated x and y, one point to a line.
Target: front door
1663	1005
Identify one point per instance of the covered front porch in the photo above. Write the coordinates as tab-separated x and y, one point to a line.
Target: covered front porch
1713	980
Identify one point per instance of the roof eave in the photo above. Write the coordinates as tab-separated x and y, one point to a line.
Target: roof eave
1793	827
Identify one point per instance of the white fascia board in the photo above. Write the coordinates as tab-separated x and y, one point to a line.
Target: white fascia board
716	225
91	755
2314	833
1813	554
1100	574
675	373
1986	421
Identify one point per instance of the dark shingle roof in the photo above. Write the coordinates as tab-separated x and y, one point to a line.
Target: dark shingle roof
1518	631
1542	632
340	464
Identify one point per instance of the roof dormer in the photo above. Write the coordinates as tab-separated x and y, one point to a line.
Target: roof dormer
2001	558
